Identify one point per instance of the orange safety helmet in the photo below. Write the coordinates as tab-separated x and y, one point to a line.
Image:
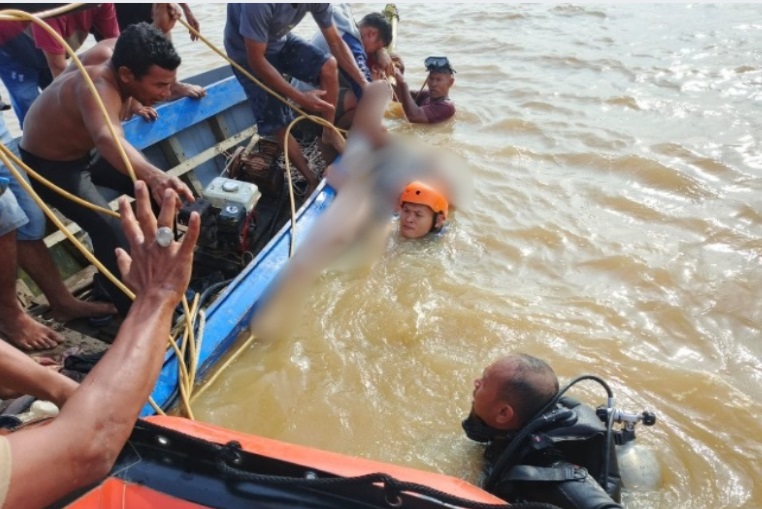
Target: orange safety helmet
424	194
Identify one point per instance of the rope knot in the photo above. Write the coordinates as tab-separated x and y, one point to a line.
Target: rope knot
230	453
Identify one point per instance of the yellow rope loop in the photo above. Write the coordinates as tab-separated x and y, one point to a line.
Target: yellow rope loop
6	155
57	11
63	192
288	175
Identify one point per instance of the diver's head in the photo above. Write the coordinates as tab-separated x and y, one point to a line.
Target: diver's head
423	210
509	392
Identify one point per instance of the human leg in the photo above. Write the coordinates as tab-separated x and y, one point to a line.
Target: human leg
105	231
17	326
307	63
296	157
35	259
273	118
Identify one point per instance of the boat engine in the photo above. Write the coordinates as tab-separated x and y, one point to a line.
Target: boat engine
228	224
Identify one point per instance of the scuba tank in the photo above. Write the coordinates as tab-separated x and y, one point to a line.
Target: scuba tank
638	465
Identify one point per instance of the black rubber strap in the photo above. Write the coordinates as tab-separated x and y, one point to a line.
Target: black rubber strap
555	474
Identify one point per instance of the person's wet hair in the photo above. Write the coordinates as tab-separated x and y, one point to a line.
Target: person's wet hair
379	22
142	45
530	388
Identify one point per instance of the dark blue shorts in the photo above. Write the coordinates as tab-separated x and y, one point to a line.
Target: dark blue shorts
298	59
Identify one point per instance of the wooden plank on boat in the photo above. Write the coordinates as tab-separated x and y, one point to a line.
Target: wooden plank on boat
182	113
211	152
24	295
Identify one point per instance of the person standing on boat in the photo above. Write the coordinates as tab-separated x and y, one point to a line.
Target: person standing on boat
510	392
65	124
433	105
41	464
258	37
22	228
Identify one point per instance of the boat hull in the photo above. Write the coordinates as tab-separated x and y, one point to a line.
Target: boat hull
171	462
187	136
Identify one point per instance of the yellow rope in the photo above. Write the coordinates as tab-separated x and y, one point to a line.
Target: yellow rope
4	152
186	376
57	11
6	156
63	192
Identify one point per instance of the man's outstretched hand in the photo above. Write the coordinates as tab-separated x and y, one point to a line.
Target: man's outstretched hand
149	267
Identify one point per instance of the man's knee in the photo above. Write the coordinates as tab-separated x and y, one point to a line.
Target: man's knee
329	72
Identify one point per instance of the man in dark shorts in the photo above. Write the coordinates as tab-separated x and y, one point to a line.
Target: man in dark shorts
65	124
258	37
367	42
433	105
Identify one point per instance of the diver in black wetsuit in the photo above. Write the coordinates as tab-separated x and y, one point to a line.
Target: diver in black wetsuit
554	455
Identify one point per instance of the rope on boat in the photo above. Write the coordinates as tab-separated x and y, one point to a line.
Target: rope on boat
230	454
243	345
6	155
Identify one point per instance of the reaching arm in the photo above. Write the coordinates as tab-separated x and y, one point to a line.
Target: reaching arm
165	17
23	375
264	70
85	439
344	58
97	127
191	19
414	113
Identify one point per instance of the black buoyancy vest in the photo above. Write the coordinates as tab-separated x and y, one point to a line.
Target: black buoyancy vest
578	441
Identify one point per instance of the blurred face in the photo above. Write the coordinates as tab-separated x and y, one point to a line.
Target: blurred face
371	39
151	88
415	220
439	84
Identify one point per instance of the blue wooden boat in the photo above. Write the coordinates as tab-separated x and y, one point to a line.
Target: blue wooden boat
192	135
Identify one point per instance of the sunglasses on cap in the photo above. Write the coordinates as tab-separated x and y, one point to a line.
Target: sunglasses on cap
438	63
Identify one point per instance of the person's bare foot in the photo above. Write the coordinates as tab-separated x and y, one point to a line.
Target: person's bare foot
26	333
82	309
333	139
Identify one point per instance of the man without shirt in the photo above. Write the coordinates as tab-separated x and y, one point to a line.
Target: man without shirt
65	124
